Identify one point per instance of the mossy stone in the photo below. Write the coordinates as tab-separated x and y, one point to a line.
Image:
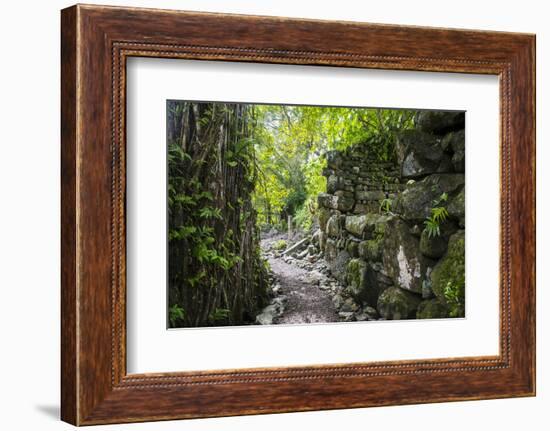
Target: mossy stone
334	183
323	215
339	262
432	309
362	283
353	248
433	247
333	226
415	203
450	271
395	304
371	250
456	207
440	122
356	277
403	262
367	225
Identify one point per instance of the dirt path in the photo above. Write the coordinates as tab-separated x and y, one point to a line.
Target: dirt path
306	302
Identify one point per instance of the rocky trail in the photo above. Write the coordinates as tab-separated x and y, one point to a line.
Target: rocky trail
305	301
303	291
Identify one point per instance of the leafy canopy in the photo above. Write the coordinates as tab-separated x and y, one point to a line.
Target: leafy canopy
290	142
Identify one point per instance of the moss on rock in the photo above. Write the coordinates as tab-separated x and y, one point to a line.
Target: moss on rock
371	250
280	245
367	225
333	226
362	283
433	247
339	262
356	275
432	309
448	276
415	203
323	214
353	248
456	207
395	303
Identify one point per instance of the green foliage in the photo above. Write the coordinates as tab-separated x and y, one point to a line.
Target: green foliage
175	314
305	215
209	212
215	271
280	245
219	315
385	205
454	298
448	276
438	215
234	167
290	143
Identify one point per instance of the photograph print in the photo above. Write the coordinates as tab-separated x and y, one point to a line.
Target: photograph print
294	214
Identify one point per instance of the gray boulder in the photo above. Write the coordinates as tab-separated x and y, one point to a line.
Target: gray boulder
447	141
459	161
324	200
440	122
434	247
322	240
402	259
272	311
350	305
331	250
356	278
395	303
346	316
341	203
432	309
365	195
352	247
337	261
362	283
315	238
323	214
422	155
333	228
334	159
455	142
416	201
334	183
371	312
457	207
371	250
360	225
366	225
337	301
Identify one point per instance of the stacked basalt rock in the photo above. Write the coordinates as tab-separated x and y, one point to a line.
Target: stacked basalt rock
372	221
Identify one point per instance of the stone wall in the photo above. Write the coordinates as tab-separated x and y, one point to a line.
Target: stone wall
372	222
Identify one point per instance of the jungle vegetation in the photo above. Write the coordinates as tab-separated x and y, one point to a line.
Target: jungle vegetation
234	169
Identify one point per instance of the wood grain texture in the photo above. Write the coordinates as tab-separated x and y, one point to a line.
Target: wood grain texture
96	41
69	397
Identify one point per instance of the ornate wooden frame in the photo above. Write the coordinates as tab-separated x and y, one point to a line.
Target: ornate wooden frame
95	42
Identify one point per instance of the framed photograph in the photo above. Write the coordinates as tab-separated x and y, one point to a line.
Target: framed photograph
266	215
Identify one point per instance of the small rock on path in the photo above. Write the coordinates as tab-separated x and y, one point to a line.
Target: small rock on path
306	302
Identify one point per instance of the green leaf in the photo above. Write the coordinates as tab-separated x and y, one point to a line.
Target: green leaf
175	313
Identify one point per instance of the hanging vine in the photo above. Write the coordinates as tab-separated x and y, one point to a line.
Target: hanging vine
215	273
